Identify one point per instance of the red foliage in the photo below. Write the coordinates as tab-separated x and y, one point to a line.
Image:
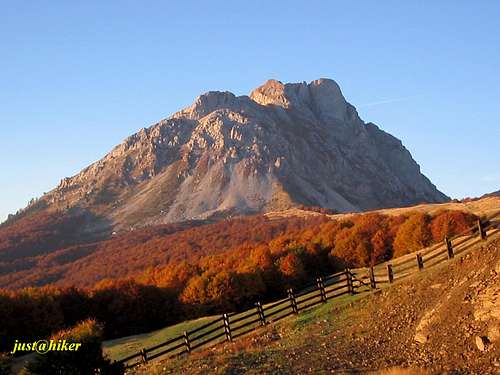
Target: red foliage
449	223
86	264
291	266
414	234
40	233
172	272
366	241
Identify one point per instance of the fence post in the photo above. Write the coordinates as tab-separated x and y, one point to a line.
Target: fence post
321	288
420	261
482	232
348	279
350	284
227	327
373	283
260	311
390	273
186	341
293	301
449	247
144	356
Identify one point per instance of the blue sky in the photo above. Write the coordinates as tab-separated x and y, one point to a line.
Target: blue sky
76	78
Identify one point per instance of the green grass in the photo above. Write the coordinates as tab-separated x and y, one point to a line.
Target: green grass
125	346
272	357
322	312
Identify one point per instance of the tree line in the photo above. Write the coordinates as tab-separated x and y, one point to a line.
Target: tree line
231	280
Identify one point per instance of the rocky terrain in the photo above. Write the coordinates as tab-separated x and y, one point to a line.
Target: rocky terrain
443	320
284	145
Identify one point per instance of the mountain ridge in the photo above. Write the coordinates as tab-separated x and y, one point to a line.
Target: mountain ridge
283	145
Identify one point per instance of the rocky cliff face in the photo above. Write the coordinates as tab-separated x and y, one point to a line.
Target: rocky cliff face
285	144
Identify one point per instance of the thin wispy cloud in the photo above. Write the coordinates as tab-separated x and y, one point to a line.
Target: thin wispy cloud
388	101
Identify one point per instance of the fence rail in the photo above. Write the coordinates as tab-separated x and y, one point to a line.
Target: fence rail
230	326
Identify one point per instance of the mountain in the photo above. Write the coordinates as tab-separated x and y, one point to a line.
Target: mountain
282	146
493	194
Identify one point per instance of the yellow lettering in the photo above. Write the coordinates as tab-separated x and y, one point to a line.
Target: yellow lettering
52	345
15	347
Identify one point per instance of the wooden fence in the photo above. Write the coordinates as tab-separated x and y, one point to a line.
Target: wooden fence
229	327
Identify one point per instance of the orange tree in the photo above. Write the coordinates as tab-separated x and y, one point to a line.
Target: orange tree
450	222
413	235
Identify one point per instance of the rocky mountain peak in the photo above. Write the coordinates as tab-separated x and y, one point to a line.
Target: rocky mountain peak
271	92
321	98
328	99
284	145
208	103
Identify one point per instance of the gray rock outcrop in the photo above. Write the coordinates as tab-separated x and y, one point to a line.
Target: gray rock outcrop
284	145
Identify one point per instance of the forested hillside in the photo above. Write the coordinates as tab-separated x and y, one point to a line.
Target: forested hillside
212	268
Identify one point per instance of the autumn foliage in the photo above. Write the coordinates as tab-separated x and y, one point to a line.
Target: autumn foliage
413	234
39	234
449	223
84	264
179	273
